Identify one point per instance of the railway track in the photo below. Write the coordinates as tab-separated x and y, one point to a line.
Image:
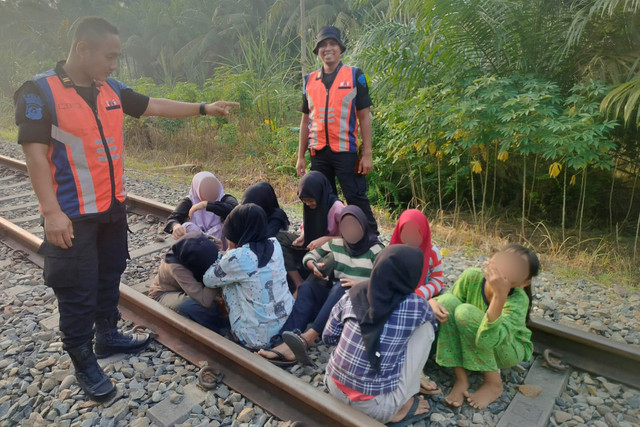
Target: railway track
269	387
281	394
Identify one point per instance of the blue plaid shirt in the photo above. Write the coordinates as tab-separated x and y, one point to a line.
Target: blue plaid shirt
349	364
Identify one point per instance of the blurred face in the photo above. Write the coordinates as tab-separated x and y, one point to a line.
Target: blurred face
209	189
329	51
311	203
410	235
99	59
513	266
351	230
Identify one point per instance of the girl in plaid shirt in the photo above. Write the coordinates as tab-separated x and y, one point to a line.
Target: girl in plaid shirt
383	332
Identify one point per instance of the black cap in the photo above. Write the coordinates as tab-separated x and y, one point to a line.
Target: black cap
329	32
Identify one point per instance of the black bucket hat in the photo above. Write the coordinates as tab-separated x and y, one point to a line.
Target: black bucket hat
329	32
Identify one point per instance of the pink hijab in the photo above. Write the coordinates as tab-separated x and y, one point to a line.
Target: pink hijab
207	222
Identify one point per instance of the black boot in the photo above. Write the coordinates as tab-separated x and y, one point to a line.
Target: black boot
92	379
110	341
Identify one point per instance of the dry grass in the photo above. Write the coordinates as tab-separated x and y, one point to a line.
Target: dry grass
238	164
597	257
241	154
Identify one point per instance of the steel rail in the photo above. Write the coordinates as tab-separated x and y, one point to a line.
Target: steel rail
268	386
582	350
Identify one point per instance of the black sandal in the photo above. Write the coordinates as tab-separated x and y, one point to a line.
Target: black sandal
298	346
279	361
411	416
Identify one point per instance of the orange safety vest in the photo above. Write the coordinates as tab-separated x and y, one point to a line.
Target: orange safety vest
85	154
332	113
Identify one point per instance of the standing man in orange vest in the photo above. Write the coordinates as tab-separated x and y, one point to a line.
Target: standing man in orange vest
335	100
70	126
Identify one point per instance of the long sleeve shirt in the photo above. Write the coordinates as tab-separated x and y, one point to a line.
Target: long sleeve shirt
346	266
435	277
180	214
349	364
258	299
510	325
178	278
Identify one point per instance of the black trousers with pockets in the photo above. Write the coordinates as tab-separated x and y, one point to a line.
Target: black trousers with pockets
86	277
342	166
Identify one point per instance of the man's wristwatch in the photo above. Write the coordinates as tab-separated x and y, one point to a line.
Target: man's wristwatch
202	112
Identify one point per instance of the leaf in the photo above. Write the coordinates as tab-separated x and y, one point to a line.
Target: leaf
573	180
504	156
555	169
433	148
476	167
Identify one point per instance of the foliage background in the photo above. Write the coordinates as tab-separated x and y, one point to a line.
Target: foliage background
517	117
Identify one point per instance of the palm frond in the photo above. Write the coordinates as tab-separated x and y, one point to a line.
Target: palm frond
623	101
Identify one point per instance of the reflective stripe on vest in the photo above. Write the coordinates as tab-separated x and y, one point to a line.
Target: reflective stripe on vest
332	113
86	166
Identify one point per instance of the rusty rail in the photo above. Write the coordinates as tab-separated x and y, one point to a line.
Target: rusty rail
268	386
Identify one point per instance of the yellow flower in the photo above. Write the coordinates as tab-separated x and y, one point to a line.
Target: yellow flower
433	148
504	156
573	180
476	167
485	155
555	169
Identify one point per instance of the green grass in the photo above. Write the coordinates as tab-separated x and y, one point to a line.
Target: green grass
9	133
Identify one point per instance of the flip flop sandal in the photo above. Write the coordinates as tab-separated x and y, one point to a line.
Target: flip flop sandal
279	361
298	346
428	392
411	416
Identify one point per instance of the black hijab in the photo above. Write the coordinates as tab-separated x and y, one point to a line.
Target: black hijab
369	238
247	223
314	185
194	251
396	271
262	194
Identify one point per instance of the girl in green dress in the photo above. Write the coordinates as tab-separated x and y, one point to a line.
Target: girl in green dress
485	329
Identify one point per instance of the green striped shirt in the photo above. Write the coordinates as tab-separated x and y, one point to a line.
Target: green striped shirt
346	266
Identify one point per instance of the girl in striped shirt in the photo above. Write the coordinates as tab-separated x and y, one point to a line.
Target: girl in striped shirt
353	255
413	230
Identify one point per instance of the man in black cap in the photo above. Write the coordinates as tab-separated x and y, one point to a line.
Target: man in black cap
334	100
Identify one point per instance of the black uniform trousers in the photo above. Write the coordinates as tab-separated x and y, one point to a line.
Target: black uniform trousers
354	185
86	277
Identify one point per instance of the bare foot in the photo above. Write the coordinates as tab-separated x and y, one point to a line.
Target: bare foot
485	395
423	408
282	348
456	396
429	387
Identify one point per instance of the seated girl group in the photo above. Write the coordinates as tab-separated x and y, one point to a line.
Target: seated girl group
231	267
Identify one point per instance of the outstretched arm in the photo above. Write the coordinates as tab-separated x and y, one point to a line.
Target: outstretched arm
175	109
